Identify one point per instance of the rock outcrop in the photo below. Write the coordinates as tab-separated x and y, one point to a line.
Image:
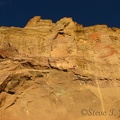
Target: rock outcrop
59	71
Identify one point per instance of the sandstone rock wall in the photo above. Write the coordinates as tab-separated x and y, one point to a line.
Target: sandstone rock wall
51	71
66	44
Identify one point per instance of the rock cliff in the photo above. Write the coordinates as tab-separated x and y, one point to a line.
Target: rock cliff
59	71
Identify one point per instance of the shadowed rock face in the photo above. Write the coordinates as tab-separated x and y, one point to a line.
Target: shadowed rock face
59	71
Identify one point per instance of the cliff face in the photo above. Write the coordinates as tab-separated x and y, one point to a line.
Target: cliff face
52	71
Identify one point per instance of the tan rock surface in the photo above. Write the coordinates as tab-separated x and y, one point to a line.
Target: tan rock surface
59	71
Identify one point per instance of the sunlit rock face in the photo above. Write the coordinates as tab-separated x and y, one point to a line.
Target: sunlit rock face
59	71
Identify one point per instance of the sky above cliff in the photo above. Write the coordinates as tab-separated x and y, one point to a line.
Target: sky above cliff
86	12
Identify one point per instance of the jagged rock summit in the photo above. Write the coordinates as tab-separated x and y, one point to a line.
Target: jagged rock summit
59	71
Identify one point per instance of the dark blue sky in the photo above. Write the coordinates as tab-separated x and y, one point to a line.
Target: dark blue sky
86	12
